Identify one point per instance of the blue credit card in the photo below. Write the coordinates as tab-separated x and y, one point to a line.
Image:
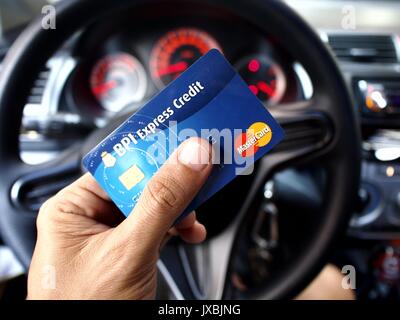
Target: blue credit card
209	100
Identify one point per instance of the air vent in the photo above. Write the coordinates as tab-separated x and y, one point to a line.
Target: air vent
38	87
364	48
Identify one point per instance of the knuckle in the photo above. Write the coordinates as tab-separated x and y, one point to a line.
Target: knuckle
72	200
53	209
44	213
63	206
164	194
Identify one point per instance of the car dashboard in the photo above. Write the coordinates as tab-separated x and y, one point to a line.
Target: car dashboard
112	68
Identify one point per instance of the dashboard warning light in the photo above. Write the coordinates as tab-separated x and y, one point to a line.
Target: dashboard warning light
254	65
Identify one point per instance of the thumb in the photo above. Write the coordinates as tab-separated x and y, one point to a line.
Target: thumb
168	193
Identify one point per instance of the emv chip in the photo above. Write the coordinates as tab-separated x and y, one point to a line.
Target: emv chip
131	177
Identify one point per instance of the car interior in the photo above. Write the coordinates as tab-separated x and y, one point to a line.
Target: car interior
328	196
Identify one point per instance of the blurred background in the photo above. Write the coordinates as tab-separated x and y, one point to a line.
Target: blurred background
364	36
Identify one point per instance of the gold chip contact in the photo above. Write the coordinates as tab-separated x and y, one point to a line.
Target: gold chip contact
131	177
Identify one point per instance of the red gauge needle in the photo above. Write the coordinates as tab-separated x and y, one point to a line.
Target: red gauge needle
173	68
102	88
253	89
264	87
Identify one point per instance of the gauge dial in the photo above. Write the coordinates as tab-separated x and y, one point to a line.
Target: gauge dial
264	77
176	51
118	80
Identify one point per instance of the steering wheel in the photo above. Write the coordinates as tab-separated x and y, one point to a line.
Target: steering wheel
322	129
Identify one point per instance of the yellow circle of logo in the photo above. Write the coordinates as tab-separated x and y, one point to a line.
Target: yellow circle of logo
262	132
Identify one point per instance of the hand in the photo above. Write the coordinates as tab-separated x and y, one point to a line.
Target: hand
96	256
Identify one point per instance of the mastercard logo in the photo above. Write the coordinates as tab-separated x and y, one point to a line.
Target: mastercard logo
258	135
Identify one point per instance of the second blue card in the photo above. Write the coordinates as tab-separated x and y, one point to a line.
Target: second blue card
209	100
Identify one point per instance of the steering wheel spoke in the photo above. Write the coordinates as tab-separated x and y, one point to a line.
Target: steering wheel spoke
37	183
204	271
308	134
200	271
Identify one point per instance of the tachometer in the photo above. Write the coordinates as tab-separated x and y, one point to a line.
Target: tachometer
264	77
117	81
176	51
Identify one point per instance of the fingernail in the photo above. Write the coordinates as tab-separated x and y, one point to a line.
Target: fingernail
194	154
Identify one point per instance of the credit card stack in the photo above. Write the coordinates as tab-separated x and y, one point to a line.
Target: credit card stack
209	100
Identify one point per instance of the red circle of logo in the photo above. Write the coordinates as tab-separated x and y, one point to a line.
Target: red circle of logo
241	140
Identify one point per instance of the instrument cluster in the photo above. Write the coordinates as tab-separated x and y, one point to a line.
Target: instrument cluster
130	66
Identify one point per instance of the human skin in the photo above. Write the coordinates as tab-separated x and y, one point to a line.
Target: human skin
95	254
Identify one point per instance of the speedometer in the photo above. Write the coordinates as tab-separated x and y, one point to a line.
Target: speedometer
176	51
265	78
118	80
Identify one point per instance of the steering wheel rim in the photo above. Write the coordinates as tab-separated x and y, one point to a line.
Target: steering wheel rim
338	144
